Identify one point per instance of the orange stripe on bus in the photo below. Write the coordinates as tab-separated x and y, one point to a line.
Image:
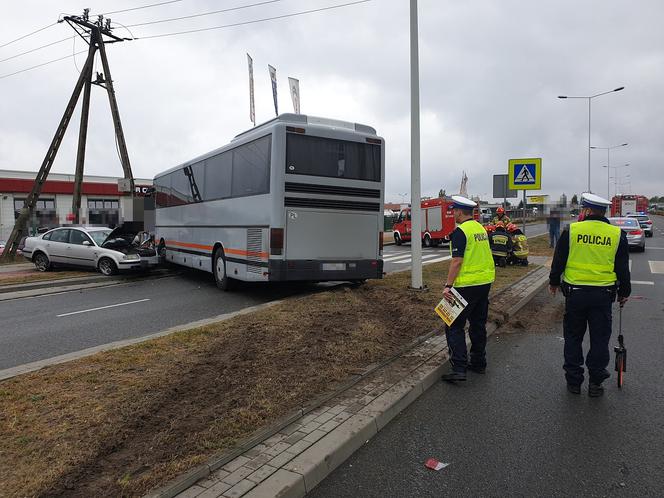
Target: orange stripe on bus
237	252
188	244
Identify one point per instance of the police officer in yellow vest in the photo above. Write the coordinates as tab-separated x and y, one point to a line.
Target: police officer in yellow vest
471	273
592	257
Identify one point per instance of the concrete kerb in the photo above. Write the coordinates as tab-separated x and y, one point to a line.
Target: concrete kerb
312	465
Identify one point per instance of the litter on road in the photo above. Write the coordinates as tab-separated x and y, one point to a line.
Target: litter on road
434	464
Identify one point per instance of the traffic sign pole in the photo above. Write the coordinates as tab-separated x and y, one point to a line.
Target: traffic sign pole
524	212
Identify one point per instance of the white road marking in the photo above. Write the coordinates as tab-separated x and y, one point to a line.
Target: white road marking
656	266
642	282
103	307
630	265
660	248
425	259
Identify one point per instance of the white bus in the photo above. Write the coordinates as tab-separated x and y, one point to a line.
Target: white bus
296	198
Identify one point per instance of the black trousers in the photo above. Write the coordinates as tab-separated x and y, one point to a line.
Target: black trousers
476	314
587	308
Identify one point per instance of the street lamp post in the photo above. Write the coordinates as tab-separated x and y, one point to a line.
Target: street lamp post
415	185
590	97
608	162
615	175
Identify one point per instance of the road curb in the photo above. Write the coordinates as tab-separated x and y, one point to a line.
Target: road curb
304	471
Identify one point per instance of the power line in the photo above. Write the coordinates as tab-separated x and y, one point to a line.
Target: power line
254	21
29	34
35	49
244	23
139	8
43	64
204	13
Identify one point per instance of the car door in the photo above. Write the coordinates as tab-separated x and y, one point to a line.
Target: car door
56	246
81	249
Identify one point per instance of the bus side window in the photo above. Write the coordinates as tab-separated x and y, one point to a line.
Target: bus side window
218	174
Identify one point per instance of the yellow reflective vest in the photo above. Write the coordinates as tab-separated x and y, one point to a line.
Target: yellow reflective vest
593	246
478	267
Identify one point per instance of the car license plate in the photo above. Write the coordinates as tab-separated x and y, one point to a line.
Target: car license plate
334	266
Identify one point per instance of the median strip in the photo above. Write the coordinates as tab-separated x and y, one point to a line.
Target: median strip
103	307
124	421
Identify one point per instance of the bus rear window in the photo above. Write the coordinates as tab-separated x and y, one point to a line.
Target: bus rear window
316	156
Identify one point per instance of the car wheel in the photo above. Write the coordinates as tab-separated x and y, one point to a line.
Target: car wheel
427	240
107	267
642	248
41	261
221	278
397	239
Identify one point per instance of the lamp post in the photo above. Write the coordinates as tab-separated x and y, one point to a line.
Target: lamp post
589	98
608	162
615	175
415	184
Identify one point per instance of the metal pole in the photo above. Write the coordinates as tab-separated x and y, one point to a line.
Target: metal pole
608	173
415	187
524	212
589	100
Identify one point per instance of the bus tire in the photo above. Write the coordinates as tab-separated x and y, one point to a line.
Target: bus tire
221	278
397	239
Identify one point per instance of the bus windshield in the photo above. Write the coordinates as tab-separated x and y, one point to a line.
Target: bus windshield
316	156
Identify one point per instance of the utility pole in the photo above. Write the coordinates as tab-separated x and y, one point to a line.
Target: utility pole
94	34
415	185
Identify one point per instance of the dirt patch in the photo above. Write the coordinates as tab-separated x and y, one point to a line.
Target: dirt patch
122	422
539	246
27	276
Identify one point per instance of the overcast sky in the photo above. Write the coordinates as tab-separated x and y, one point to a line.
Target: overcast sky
491	72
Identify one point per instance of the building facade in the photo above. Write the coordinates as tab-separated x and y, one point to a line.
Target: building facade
101	201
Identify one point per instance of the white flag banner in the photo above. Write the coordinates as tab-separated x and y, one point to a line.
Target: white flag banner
294	85
252	105
273	77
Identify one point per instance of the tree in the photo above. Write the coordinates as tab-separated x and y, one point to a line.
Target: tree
661	199
654	199
441	193
575	200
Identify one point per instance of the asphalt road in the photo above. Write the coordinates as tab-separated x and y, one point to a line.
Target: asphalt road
399	257
34	329
517	432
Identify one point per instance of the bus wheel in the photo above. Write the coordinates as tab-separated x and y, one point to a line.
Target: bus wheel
427	240
220	277
397	239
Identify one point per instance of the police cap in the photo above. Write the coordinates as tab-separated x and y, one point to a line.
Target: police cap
461	202
594	201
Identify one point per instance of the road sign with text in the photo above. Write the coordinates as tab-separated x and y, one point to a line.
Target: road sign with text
525	174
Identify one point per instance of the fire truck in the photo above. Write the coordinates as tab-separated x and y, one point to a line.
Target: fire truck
437	223
622	205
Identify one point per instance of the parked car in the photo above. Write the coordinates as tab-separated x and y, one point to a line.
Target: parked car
2	246
644	221
636	237
107	250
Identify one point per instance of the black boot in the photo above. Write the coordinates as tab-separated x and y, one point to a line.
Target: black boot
453	376
595	390
479	370
574	388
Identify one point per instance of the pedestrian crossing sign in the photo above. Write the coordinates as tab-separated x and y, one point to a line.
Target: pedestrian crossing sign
525	174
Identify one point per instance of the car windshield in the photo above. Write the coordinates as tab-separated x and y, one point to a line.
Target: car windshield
624	222
99	236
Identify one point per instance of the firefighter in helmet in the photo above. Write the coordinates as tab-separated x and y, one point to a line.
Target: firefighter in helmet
501	216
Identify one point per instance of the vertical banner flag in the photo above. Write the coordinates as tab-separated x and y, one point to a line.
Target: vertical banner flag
295	93
252	105
273	77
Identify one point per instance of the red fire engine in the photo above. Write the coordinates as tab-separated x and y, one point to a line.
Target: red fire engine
622	205
437	223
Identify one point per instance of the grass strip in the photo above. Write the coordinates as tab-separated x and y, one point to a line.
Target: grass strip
125	421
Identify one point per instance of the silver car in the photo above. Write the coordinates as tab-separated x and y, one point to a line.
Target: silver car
101	248
645	222
636	236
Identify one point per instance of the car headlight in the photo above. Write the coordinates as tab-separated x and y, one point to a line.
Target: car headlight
131	256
